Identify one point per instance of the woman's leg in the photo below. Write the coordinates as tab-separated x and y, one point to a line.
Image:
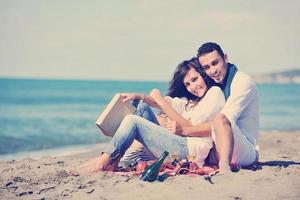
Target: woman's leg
143	110
156	138
137	151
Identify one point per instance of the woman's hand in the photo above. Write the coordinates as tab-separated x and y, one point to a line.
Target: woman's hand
174	127
156	95
131	96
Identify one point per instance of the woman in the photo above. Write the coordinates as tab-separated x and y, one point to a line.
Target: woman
190	102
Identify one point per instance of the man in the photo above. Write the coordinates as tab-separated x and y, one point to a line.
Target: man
236	128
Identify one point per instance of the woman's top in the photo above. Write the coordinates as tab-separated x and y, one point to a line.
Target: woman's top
204	111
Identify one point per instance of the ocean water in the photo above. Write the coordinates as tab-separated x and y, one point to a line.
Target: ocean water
46	114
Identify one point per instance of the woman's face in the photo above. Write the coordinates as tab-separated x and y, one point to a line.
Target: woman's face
194	83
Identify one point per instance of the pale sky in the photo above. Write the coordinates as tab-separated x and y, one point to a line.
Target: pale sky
143	39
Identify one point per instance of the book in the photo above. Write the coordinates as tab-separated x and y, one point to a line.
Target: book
111	117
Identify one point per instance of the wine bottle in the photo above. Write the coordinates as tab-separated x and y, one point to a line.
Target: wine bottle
151	172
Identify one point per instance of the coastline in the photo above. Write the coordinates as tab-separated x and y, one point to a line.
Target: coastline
75	150
277	177
71	150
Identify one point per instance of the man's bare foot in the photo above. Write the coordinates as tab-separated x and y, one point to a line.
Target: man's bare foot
100	163
224	168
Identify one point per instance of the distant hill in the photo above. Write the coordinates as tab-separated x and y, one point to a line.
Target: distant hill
284	77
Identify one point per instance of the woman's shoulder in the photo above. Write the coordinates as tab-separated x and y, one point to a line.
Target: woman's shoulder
177	99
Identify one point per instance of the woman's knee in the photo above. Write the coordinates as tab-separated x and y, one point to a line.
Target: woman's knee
130	119
126	128
142	106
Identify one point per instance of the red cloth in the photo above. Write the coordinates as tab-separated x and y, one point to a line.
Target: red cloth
171	171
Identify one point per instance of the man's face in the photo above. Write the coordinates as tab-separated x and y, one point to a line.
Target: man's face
214	65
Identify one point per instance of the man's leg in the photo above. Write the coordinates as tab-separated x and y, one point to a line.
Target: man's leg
244	152
224	142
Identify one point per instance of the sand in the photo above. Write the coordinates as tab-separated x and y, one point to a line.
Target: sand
276	177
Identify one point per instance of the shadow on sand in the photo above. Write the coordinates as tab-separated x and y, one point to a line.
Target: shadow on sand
273	163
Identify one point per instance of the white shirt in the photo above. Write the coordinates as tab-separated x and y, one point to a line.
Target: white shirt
242	106
210	105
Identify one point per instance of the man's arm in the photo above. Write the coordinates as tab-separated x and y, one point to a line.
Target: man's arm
243	91
200	130
209	106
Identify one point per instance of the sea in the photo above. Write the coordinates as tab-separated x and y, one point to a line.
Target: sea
42	115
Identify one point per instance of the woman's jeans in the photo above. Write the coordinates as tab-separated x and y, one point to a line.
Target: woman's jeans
143	110
144	128
140	152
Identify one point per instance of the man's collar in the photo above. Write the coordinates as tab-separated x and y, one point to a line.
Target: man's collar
223	84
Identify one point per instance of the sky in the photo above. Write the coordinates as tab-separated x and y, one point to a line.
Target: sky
143	39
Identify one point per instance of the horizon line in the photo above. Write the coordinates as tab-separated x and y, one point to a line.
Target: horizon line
79	79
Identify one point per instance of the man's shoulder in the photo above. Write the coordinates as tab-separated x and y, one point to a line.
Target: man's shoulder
214	89
214	93
242	75
243	78
243	82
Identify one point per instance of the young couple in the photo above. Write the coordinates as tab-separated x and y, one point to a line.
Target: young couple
200	112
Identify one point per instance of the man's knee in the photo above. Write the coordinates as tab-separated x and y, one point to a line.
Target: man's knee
220	121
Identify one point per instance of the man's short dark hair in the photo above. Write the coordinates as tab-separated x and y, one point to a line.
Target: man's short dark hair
208	48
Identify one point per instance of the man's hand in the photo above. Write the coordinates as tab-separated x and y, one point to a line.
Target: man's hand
174	127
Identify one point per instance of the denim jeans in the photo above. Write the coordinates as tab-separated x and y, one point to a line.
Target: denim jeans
145	129
136	153
143	110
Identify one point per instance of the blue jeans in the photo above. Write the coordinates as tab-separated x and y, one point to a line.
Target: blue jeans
143	110
141	153
155	138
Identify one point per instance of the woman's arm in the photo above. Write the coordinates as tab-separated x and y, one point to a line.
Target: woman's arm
131	96
165	106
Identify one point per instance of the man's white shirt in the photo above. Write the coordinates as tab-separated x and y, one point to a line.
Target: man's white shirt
242	106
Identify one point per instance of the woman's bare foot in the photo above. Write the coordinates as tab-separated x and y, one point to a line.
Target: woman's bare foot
100	163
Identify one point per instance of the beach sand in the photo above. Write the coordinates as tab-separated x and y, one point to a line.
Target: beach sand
276	177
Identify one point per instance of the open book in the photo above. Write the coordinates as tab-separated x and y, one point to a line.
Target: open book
110	119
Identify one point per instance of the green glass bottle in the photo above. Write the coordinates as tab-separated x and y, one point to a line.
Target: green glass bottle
151	172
